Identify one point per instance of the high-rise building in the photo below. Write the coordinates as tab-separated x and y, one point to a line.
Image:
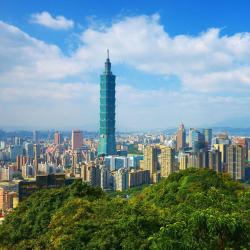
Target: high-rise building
214	159
104	177
150	162
91	173
19	161
181	138
183	161
195	160
204	158
162	138
58	138
208	135
222	148
244	143
17	141
29	150
37	152
121	179
235	162
77	139
167	161
107	112
8	199
77	157
28	170
14	151
6	173
196	139
2	144
35	136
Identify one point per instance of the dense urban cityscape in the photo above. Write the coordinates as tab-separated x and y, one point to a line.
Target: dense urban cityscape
124	125
32	162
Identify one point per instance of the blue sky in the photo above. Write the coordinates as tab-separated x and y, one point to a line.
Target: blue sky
175	61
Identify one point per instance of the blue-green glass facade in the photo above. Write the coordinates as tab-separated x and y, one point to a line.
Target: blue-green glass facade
107	144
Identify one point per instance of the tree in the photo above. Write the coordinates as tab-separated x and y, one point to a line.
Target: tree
192	209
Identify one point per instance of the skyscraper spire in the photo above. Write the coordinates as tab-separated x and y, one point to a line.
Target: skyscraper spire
108	64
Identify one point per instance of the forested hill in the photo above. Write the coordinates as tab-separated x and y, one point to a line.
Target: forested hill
192	209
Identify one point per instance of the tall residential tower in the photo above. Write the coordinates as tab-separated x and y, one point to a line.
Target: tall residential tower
107	144
181	138
76	139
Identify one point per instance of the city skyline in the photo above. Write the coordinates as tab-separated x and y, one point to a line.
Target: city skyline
124	125
183	71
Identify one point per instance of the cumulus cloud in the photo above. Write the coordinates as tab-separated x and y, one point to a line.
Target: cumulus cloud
38	80
46	19
24	58
207	62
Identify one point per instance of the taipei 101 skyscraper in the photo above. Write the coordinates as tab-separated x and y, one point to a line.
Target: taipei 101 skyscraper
107	144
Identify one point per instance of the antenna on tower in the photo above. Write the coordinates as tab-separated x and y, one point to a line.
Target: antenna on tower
108	53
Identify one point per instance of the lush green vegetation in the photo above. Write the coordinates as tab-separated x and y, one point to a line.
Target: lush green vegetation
193	209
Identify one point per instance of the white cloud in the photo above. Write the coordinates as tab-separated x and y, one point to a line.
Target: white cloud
25	58
46	19
203	63
207	62
36	85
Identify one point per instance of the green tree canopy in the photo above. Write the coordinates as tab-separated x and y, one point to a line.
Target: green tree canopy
192	209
